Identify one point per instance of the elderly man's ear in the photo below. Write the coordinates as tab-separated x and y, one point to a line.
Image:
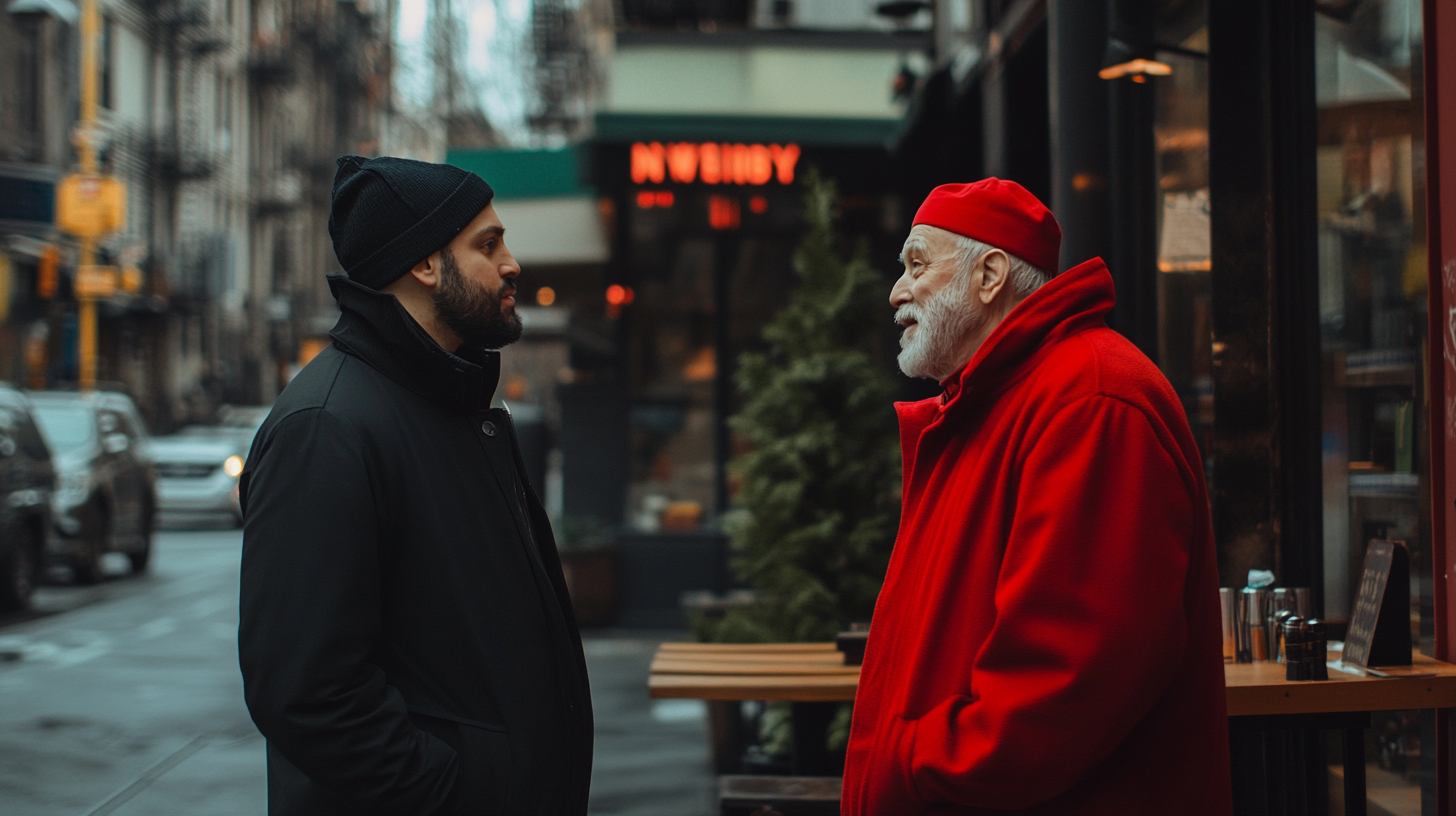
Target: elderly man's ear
994	269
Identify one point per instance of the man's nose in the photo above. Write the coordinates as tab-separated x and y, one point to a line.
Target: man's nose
900	292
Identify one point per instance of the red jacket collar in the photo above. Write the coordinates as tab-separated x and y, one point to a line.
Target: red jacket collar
1072	302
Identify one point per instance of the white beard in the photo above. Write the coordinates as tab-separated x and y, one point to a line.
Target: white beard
942	323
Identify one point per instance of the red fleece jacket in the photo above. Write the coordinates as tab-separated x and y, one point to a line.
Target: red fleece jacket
1047	640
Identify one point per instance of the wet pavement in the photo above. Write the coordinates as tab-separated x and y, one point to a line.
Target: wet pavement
124	698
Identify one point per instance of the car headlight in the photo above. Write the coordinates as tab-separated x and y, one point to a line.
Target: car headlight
233	466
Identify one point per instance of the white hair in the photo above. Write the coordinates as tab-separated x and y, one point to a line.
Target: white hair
1023	278
948	316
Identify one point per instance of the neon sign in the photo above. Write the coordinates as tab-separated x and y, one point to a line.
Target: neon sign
713	163
724	213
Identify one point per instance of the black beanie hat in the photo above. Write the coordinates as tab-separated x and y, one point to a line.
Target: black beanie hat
389	213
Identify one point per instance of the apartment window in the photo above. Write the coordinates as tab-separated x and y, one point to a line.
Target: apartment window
107	74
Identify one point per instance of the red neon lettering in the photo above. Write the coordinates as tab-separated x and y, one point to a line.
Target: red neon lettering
760	165
682	161
723	212
784	159
647	163
710	163
713	163
739	152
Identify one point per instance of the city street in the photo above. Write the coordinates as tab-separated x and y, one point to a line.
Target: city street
125	698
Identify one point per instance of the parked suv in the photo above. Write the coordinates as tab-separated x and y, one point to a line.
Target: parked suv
26	483
106	493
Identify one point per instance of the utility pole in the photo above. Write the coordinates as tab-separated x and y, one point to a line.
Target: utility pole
90	44
89	205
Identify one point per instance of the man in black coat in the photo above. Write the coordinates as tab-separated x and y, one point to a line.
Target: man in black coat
406	640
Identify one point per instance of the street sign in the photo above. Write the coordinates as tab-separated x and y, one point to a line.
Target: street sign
95	282
90	206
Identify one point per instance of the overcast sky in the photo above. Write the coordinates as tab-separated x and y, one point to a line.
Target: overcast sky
496	34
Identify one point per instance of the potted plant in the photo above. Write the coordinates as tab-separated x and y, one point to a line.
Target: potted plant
588	551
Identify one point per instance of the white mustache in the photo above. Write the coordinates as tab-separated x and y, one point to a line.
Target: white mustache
907	312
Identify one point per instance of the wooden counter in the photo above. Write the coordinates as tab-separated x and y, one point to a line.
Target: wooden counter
1260	688
813	672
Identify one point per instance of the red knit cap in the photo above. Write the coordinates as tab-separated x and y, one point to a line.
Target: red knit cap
1000	213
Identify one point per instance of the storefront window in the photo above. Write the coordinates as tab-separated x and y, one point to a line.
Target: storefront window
1185	322
706	266
708	269
1372	294
1373	334
673	365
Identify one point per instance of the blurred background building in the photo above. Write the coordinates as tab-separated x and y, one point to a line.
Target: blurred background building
1263	178
223	119
1257	176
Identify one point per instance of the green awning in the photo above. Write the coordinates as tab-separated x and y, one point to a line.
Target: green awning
524	173
836	132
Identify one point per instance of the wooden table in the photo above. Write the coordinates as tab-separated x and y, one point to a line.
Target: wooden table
814	672
796	672
1262	705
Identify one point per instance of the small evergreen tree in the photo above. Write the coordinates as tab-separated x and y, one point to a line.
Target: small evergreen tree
820	494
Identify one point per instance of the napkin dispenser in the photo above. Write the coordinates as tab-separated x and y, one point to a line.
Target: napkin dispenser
852	644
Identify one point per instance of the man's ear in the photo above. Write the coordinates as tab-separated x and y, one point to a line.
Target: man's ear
427	271
995	271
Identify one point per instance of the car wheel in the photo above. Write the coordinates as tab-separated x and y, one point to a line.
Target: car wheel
141	559
87	564
18	572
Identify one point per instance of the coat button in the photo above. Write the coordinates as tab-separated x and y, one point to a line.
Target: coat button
487	428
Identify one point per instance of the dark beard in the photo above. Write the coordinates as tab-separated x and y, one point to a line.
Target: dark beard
472	311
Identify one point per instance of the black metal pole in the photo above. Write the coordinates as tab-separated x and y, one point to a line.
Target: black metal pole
1077	30
724	260
1133	188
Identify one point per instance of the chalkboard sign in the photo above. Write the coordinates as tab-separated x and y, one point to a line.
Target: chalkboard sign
1379	632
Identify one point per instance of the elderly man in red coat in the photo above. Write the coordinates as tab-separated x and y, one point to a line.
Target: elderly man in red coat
1047	640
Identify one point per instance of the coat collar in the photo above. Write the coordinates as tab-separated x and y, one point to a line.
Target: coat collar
375	327
1072	302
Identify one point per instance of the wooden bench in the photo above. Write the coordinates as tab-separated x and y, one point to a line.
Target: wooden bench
778	795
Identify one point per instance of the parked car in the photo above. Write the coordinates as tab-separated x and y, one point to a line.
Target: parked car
105	497
26	484
197	470
198	467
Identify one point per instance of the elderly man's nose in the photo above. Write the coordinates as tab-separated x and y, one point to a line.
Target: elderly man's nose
900	292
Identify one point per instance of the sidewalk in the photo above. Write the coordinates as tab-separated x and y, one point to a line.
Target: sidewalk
651	755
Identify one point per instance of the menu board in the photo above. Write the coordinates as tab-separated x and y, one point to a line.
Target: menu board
1379	633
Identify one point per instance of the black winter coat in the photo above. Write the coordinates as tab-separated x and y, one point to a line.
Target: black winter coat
406	640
